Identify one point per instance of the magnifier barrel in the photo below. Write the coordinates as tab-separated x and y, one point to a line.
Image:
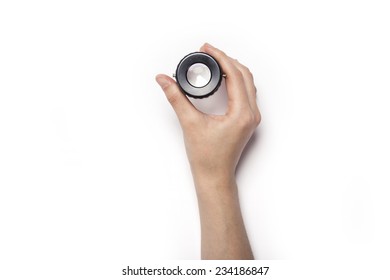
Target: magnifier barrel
198	75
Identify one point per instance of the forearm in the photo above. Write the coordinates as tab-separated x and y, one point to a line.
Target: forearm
223	232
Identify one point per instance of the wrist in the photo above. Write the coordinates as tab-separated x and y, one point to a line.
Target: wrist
214	183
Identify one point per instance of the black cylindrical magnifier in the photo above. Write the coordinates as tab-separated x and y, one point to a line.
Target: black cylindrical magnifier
198	75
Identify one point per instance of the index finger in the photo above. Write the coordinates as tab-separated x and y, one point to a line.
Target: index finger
236	90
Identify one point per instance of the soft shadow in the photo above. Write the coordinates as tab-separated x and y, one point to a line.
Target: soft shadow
215	104
253	143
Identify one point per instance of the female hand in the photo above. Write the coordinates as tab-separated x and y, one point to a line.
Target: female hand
214	143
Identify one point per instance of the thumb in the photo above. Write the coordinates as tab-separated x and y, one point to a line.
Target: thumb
180	103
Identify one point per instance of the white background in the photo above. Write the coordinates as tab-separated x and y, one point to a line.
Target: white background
93	171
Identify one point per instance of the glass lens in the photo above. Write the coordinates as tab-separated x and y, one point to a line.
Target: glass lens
198	75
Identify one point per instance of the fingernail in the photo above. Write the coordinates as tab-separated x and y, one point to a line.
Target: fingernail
162	81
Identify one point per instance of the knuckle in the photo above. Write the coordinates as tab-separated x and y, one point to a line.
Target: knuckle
172	98
246	69
237	73
234	73
257	119
253	91
172	94
248	72
247	120
222	53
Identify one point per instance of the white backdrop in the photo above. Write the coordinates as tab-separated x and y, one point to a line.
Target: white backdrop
93	170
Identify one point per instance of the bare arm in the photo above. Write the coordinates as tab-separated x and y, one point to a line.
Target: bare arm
214	145
223	230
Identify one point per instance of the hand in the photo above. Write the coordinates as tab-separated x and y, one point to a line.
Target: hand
214	143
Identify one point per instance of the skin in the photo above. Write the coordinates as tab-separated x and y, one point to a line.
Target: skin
214	145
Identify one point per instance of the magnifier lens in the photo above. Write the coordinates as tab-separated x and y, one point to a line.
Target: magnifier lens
198	75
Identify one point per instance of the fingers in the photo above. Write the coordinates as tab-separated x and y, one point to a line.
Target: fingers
237	98
182	106
250	87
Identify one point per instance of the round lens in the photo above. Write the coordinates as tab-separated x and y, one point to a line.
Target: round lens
198	75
